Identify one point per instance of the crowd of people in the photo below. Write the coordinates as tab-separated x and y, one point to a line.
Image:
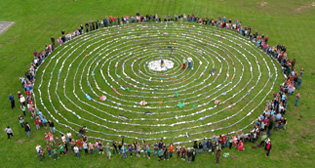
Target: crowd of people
271	119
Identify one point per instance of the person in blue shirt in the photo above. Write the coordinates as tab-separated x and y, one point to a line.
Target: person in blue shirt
204	144
278	116
123	151
11	98
209	145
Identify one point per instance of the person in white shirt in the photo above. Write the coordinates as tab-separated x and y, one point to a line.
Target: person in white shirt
63	138
189	59
22	100
9	132
69	136
38	148
76	151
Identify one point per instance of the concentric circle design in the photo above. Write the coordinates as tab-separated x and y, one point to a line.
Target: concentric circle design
102	80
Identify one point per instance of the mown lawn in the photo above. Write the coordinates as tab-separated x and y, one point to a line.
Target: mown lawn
287	22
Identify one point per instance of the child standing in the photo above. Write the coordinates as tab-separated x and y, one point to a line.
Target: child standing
149	150
48	150
54	153
46	137
100	146
37	124
108	151
76	151
171	148
156	148
184	153
130	150
62	149
85	147
21	120
178	150
91	148
160	153
51	138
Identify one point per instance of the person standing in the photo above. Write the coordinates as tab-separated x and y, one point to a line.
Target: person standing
108	153
171	148
62	149
297	99
194	152
27	129
165	151
91	147
41	154
23	109
160	153
11	98
189	59
218	154
299	82
184	63
53	42
268	147
9	132
149	151
115	147
21	120
178	148
123	151
183	153
144	146
54	153
189	155
52	126
76	151
156	148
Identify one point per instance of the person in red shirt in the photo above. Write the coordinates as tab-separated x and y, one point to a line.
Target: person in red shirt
223	141
171	148
37	124
79	143
184	153
266	39
268	148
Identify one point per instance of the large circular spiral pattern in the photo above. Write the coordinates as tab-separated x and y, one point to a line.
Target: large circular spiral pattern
101	80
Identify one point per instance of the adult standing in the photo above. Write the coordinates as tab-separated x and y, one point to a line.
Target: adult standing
299	82
218	154
115	147
27	129
53	42
11	98
189	59
9	132
51	126
297	99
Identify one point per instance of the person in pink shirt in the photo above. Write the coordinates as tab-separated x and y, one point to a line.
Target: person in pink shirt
240	146
91	146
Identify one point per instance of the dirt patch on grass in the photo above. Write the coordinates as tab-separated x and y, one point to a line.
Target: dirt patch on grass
20	141
306	6
262	4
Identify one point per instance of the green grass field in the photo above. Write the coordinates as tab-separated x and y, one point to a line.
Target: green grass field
286	22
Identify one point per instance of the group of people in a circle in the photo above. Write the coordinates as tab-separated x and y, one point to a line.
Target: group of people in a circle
272	118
